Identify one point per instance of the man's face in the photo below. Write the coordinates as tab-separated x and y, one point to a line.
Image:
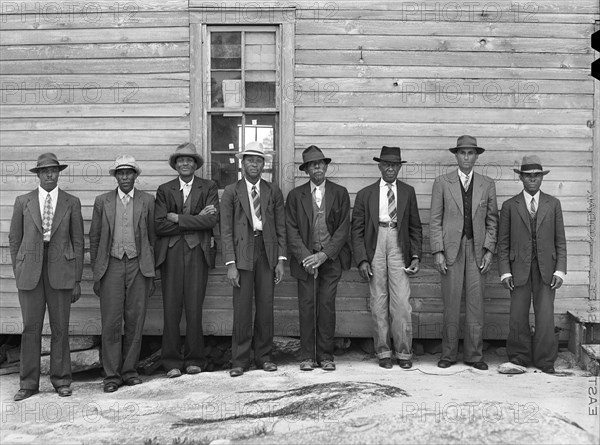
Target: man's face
316	170
48	178
185	166
389	170
253	167
531	182
126	179
466	158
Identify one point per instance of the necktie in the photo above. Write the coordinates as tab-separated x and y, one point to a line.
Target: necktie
318	196
256	202
466	183
391	203
186	191
125	200
532	208
47	217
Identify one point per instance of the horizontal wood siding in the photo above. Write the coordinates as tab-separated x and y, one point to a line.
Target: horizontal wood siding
89	85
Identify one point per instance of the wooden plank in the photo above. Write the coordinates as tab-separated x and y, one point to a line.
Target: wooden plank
19	154
94	94
96	123
77	36
68	8
96	110
99	50
98	66
151	80
94	137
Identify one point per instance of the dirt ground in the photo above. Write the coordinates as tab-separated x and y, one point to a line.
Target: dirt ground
358	403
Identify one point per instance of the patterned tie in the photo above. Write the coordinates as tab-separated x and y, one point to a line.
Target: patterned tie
318	196
391	203
466	183
256	202
125	200
47	217
532	208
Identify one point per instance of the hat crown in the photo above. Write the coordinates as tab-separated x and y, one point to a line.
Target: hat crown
531	164
390	154
186	149
466	141
123	162
46	160
255	146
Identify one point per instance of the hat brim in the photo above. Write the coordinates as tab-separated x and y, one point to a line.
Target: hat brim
241	155
479	149
519	172
304	164
173	158
112	171
389	160
61	167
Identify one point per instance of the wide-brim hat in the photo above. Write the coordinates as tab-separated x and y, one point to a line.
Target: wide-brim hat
186	149
466	141
47	160
531	164
254	148
125	162
311	154
390	154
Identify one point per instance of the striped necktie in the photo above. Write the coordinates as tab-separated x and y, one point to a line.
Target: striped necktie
256	202
532	208
391	203
47	217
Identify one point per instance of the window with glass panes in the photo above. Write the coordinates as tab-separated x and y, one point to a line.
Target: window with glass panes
244	102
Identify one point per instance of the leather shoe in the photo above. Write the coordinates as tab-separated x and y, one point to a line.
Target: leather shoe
132	381
404	364
306	365
481	365
64	391
445	363
386	363
548	370
269	366
328	365
174	373
518	361
110	387
193	369
236	372
23	394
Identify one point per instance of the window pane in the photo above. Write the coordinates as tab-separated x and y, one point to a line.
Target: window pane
261	128
222	88
224	133
260	66
224	169
260	94
226	50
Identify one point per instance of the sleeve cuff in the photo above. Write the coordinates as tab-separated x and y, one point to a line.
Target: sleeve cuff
560	274
229	262
505	275
282	258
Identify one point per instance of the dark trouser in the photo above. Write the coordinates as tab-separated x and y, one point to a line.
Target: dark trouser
33	307
518	345
260	283
184	276
328	277
123	298
464	273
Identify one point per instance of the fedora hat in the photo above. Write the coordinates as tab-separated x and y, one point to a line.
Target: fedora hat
253	148
466	141
390	154
531	164
125	162
186	149
47	160
311	154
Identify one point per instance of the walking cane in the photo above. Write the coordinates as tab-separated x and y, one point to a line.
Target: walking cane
315	275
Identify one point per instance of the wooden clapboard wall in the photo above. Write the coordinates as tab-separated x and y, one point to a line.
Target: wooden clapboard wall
110	78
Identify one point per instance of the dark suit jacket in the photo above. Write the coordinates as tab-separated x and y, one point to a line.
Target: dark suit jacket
26	240
447	216
170	199
236	224
299	221
514	240
365	223
102	230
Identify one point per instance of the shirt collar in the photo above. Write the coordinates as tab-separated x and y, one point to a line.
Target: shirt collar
463	176
53	193
383	184
182	183
249	186
313	186
122	194
528	197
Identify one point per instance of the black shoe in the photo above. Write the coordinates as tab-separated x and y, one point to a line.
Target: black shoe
23	394
518	361
236	372
445	363
269	366
404	364
132	381
64	391
110	387
386	363
548	370
481	365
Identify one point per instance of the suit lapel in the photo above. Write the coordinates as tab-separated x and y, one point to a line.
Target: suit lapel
137	209
177	195
59	212
522	210
195	193
265	192
477	193
244	199
306	200
401	202
454	186
542	210
373	203
34	210
329	198
110	209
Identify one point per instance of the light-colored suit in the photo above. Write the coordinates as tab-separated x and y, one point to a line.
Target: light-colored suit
46	274
123	284
446	235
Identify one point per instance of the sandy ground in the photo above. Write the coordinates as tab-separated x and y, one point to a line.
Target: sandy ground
358	403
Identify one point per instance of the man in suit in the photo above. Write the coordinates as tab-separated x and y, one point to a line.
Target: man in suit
387	240
532	257
46	249
122	256
253	236
463	233
318	232
185	214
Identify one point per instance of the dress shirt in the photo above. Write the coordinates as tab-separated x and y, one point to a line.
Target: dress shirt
464	177
122	194
384	216
42	199
256	223
559	273
320	187
186	187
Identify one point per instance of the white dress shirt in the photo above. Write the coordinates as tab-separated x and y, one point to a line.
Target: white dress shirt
384	216
185	186
122	194
464	177
321	189
256	223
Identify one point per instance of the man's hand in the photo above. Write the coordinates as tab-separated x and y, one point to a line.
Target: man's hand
365	271
208	210
173	217
439	262
508	283
414	267
486	262
152	288
556	282
279	272
76	293
233	275
312	262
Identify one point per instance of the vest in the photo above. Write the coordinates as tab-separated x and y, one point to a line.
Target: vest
467	197
320	234
123	242
192	238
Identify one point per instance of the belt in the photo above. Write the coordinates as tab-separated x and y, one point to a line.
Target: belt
257	233
391	225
